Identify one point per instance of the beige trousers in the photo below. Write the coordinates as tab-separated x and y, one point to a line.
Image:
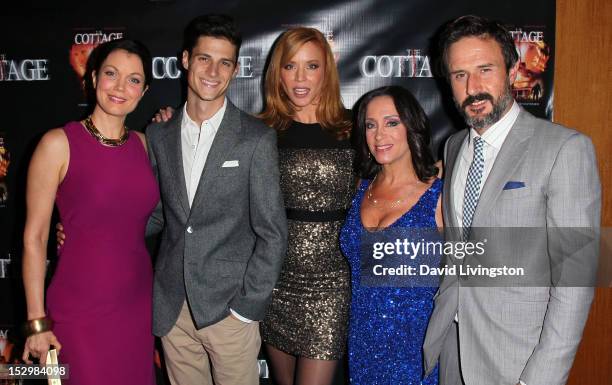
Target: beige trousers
230	346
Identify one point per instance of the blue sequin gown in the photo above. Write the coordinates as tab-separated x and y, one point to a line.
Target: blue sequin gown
387	324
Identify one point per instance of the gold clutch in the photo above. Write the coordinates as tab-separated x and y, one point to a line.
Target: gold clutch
52	360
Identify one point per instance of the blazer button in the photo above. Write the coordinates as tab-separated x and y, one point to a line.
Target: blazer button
189	230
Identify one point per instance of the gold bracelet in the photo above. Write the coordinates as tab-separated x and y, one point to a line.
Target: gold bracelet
38	325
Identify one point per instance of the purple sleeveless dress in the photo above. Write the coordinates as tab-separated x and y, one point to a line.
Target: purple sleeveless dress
101	293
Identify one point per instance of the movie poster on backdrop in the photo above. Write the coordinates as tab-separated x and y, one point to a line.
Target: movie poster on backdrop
10	347
6	346
5	161
375	43
533	85
8	355
85	41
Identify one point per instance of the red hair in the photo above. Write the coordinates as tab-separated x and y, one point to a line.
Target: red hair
279	112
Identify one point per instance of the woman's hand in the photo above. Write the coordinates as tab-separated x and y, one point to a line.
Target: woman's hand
47	170
37	346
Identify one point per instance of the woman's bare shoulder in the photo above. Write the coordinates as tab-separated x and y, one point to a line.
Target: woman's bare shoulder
54	139
142	138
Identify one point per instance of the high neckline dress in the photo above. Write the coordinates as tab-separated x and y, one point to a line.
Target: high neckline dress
308	313
100	295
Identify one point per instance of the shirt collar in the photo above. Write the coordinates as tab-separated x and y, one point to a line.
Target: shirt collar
214	121
496	134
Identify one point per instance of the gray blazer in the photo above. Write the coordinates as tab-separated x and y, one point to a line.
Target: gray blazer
517	332
227	250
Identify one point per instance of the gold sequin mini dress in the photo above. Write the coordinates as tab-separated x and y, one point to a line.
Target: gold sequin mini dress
308	313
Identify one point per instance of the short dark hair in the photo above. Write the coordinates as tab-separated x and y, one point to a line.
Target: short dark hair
418	133
101	52
476	26
99	55
219	26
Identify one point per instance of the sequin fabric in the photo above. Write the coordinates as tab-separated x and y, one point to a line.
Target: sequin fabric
308	313
316	179
387	324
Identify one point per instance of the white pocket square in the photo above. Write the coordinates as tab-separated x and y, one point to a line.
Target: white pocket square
230	163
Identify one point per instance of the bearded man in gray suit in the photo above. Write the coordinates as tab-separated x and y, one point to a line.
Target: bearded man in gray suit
221	215
532	177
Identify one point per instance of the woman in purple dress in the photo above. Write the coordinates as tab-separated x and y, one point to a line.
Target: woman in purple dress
98	305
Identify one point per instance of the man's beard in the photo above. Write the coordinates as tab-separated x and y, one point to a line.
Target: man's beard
499	106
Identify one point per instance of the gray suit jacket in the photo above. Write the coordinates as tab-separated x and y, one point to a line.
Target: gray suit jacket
226	251
513	332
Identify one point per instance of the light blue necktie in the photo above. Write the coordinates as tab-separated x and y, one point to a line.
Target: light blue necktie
472	186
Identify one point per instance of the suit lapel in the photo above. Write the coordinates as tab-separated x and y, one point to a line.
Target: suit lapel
225	139
506	162
174	154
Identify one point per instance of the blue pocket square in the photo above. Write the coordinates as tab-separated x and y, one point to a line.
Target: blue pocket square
511	185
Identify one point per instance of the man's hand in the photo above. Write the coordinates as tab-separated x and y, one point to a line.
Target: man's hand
60	236
163	115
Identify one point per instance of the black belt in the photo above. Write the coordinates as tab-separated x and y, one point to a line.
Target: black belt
316	216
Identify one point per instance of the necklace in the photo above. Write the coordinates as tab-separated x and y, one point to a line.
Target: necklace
91	128
382	203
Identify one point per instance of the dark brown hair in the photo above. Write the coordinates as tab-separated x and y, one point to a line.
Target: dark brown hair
476	26
418	133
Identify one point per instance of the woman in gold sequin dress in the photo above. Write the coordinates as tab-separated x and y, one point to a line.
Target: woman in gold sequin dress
305	327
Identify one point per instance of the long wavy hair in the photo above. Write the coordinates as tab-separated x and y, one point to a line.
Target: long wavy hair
279	112
418	133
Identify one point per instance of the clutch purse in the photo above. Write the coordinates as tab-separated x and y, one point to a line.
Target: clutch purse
52	360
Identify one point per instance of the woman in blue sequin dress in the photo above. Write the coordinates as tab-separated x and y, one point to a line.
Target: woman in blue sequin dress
400	193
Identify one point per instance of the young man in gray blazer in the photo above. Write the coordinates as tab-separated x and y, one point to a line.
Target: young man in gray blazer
221	217
533	178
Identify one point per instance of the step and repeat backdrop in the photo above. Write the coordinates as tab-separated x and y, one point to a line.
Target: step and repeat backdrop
44	49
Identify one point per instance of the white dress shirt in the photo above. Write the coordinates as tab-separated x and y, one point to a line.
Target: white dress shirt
493	139
196	142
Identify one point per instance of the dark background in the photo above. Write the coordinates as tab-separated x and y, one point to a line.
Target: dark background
358	29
